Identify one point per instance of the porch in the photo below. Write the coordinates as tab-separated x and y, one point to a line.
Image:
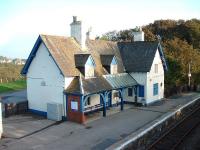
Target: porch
100	97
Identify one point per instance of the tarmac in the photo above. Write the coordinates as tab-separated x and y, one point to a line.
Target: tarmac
97	134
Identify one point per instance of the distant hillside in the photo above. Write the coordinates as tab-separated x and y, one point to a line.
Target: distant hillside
10	69
15	61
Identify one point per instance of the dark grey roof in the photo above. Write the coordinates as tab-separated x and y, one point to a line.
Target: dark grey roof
120	80
137	56
74	86
89	86
106	59
100	84
80	59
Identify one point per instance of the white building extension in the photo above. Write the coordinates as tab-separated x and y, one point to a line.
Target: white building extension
153	82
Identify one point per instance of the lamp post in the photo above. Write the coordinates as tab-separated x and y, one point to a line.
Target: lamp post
189	75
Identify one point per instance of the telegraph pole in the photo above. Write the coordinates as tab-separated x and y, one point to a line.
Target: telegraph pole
189	75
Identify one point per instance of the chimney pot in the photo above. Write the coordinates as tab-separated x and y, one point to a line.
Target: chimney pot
74	18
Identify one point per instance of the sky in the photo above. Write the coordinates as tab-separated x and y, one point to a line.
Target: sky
21	21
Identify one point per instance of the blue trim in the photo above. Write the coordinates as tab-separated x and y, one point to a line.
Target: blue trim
114	61
38	112
32	55
90	61
73	94
141	90
155	89
81	103
162	56
64	118
66	104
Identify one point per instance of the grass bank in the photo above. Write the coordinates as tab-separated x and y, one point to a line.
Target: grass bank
12	86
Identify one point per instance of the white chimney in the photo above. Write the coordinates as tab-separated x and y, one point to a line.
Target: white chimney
139	35
77	32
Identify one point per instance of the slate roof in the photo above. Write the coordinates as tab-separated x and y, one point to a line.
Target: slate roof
62	49
106	59
137	56
100	84
67	54
81	59
120	80
89	86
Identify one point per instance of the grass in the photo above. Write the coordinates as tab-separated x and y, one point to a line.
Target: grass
12	86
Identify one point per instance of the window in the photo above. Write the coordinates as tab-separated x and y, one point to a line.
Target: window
74	105
130	91
156	68
89	71
113	66
141	91
89	67
155	89
88	101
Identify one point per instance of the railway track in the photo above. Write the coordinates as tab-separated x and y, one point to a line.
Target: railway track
171	139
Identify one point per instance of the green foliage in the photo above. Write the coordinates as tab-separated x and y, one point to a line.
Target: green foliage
181	44
12	86
10	72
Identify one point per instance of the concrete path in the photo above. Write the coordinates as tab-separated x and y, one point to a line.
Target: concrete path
98	134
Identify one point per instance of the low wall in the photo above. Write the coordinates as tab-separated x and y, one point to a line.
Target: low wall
1	125
10	109
149	133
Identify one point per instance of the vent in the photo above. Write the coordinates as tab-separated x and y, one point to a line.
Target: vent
54	111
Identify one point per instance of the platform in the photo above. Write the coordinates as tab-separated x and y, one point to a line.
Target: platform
104	132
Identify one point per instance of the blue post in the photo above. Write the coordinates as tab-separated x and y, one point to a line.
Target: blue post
104	103
122	98
81	103
135	89
110	98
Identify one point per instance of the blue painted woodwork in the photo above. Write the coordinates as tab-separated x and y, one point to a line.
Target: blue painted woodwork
141	91
38	112
32	55
90	61
114	61
155	89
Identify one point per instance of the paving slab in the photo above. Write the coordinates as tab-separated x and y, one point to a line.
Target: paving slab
100	133
18	126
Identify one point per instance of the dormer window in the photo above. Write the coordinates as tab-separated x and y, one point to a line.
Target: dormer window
89	67
85	64
109	62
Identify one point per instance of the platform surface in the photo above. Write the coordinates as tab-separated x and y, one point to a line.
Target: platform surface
99	133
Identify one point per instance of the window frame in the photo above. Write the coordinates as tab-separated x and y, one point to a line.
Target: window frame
155	89
130	92
156	68
140	89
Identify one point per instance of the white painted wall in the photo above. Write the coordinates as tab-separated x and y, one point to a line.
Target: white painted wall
141	78
149	78
129	98
1	124
115	99
45	83
138	36
153	78
94	100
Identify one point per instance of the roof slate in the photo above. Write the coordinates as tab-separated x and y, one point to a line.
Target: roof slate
106	59
81	59
89	86
138	56
68	56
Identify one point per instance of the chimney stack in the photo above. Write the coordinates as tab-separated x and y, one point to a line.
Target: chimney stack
77	32
139	35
